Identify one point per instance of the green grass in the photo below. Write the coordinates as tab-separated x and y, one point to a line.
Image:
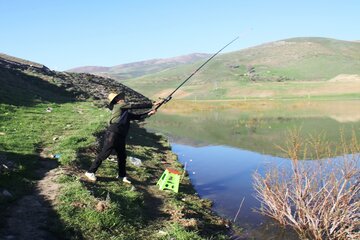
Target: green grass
120	220
67	128
176	231
71	130
31	129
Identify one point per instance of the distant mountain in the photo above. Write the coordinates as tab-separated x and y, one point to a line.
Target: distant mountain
137	69
251	72
89	69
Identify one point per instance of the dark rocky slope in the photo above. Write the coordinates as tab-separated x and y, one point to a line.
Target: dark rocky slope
80	85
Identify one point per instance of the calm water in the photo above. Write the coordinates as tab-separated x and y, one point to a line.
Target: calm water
223	145
224	175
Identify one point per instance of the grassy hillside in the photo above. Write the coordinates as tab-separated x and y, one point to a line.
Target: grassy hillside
282	69
43	126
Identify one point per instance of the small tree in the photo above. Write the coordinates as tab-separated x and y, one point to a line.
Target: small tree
319	201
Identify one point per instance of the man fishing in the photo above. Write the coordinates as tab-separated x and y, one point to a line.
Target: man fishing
120	123
115	137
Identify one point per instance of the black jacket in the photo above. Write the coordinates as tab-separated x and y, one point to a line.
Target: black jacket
121	117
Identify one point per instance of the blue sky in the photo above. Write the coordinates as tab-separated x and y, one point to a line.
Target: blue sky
63	34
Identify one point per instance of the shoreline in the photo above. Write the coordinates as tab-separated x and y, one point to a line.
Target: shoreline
188	192
160	214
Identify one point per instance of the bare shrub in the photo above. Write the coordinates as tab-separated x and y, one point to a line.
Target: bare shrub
318	199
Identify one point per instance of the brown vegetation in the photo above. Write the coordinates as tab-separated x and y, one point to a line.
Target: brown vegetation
318	200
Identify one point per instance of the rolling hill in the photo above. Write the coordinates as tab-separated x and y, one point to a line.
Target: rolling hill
136	69
290	68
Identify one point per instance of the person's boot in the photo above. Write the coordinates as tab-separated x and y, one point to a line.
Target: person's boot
124	179
90	176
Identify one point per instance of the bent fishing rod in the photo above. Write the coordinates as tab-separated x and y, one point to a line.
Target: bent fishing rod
168	98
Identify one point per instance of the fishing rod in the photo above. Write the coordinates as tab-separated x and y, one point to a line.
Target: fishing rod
168	98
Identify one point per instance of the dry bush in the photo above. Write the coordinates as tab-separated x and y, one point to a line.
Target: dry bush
318	199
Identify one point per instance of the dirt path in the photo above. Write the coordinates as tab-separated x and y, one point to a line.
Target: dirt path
31	217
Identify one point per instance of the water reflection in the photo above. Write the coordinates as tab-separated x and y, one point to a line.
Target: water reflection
259	127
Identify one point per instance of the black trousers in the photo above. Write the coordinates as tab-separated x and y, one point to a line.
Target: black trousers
112	141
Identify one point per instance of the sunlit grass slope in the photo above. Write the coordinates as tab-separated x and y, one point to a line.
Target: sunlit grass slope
283	69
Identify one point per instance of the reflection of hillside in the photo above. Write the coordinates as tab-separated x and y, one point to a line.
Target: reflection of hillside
341	111
261	128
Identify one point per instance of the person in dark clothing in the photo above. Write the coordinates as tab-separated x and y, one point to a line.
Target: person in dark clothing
115	137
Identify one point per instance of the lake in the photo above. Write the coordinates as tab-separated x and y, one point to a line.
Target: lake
222	143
